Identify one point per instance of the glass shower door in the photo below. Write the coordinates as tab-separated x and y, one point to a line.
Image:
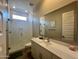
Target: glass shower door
1	24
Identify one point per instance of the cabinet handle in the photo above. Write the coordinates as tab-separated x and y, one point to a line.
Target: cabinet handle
9	48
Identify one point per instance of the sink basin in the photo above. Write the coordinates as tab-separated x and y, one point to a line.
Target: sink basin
46	43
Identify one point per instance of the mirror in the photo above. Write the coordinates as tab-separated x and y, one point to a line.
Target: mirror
61	25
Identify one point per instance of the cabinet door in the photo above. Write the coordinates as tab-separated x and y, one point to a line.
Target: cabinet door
35	50
55	57
45	53
39	52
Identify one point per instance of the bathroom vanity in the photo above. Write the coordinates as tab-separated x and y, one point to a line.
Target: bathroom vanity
42	49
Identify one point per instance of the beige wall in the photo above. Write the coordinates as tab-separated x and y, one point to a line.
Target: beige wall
57	16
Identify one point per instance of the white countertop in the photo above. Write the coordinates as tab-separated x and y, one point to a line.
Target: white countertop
60	50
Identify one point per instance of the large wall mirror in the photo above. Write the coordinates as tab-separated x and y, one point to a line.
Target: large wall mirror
61	24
